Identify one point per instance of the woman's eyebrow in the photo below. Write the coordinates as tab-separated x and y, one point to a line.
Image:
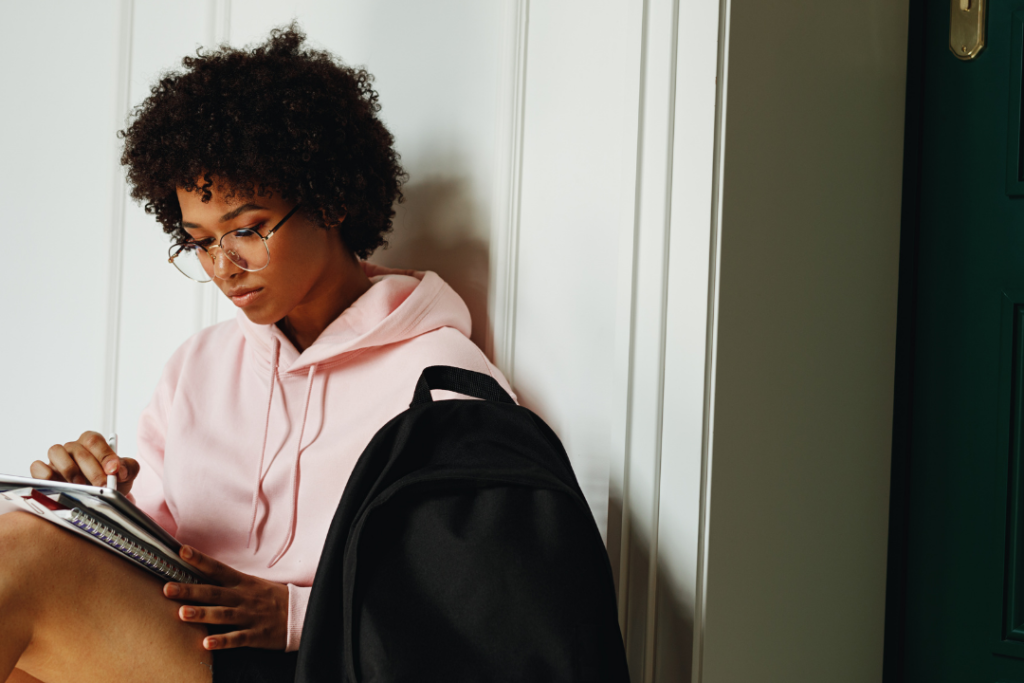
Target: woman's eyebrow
234	213
240	210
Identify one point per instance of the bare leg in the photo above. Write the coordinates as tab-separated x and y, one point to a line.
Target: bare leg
73	611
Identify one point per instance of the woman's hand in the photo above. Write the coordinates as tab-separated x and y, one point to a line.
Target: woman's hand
86	461
258	608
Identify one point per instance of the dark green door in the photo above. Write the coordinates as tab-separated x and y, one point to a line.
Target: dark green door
956	603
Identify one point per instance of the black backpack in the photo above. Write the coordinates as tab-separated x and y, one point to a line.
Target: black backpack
462	550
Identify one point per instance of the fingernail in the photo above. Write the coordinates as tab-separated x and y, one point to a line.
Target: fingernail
210	643
171	590
188	612
186	552
122	473
111	466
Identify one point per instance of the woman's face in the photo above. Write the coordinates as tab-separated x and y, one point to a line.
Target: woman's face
303	257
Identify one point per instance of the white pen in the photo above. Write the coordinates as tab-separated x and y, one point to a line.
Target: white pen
112	478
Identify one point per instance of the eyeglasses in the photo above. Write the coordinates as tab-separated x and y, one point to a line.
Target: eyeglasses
244	247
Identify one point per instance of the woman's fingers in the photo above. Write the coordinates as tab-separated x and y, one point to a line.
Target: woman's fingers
219	572
213	615
228	640
87	463
126	474
64	464
40	470
203	593
257	605
95	444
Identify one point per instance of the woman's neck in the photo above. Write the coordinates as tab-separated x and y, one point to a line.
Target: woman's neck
307	321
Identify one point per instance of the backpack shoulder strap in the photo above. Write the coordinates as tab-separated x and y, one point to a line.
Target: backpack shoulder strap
459	380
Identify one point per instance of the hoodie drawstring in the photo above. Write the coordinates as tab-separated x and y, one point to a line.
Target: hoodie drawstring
295	472
275	354
258	486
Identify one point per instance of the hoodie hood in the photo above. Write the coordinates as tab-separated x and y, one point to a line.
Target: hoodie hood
400	305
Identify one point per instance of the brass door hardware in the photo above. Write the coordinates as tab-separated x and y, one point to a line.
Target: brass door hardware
966	28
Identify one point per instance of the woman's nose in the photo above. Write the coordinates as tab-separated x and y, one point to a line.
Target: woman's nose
223	267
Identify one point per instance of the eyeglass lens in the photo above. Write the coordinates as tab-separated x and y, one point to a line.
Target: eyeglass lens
245	248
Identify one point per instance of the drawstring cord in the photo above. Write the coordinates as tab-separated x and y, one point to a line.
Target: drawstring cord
257	487
295	472
275	355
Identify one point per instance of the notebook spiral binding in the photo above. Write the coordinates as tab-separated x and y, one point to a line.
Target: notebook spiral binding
128	547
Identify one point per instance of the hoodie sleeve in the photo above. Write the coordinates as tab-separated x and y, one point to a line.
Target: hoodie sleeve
148	489
298	598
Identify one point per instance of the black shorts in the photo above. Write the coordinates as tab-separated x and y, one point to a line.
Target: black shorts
252	665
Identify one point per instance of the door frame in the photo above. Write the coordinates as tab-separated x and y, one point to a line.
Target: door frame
899	496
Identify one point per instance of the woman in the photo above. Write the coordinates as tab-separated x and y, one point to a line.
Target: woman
274	177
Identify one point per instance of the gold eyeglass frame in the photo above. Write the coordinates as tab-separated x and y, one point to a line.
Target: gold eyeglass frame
176	249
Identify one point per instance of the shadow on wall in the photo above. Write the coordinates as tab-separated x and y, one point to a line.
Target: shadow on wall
673	622
673	615
438	228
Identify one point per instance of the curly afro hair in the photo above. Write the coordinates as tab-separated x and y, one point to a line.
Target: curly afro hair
276	118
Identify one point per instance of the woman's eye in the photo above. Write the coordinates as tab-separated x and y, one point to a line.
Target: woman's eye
204	243
248	232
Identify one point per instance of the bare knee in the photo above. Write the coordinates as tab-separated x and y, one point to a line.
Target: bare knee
30	546
23	534
15	524
19	676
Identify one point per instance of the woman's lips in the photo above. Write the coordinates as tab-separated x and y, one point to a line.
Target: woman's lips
245	297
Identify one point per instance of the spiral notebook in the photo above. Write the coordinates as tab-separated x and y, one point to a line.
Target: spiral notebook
103	516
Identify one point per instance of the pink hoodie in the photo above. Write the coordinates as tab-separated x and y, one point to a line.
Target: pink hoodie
247	444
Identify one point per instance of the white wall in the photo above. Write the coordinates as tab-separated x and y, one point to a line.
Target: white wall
57	180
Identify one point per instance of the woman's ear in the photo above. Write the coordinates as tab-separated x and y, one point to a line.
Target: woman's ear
333	220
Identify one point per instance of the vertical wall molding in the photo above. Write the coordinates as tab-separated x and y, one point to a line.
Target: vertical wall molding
666	239
220	22
652	225
119	199
626	535
210	298
714	279
508	193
